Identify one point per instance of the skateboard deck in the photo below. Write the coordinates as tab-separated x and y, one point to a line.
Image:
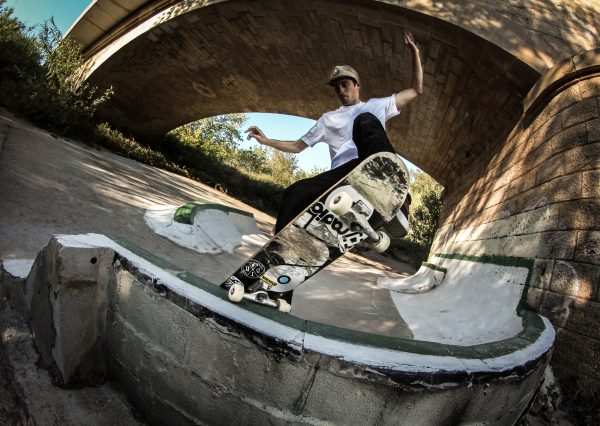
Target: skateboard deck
350	212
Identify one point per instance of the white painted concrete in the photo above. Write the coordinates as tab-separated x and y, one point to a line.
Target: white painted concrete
477	303
425	279
18	267
212	231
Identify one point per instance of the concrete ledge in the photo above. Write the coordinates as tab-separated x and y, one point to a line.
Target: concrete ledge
184	354
559	76
65	299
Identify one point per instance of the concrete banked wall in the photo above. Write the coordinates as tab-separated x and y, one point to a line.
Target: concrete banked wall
184	354
539	198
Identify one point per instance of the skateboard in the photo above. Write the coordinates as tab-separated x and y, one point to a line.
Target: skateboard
351	212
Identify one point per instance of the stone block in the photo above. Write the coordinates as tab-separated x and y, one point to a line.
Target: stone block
363	401
557	244
563	188
178	354
548	130
590	87
580	112
584	318
67	294
582	158
583	214
591	184
568	97
551	168
578	280
149	313
554	306
541	273
588	247
521	184
576	361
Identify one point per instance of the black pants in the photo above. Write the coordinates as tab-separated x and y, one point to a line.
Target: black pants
370	138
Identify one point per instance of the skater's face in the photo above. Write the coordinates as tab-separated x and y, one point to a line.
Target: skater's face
347	91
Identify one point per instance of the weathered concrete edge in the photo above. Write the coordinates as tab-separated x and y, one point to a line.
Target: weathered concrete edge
559	76
404	358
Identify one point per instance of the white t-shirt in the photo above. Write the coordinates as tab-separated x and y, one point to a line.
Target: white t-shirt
335	127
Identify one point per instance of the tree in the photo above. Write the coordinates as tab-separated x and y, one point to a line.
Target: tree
19	57
254	160
425	209
283	167
214	137
69	103
39	76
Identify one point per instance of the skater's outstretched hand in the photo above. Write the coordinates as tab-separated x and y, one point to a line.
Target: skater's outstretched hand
256	133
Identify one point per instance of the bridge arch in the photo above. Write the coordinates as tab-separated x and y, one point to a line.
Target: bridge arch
172	62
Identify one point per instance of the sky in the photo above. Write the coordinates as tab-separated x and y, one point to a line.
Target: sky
275	126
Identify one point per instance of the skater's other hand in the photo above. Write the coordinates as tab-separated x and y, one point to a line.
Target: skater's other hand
409	40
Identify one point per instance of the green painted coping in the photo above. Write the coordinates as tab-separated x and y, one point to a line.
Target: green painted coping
185	213
434	267
532	322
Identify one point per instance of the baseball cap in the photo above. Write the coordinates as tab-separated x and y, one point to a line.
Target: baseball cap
340	71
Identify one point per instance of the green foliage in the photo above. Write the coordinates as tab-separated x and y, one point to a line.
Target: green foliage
283	167
425	209
39	76
213	143
19	57
254	159
215	137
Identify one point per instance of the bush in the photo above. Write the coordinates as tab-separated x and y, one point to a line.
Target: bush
425	209
39	77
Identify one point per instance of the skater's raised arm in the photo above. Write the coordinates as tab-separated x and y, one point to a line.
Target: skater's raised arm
405	96
285	146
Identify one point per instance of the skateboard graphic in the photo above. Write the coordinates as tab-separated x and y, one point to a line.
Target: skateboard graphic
352	211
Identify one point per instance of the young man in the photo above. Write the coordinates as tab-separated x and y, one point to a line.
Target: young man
353	132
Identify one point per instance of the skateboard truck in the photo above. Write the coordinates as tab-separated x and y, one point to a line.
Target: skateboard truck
237	292
355	214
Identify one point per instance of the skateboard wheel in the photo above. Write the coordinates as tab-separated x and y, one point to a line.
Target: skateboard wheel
236	292
283	306
341	203
383	243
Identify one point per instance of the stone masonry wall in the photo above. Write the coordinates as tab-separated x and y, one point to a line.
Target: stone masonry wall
539	197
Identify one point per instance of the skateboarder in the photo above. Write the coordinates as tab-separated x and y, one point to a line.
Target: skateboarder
353	132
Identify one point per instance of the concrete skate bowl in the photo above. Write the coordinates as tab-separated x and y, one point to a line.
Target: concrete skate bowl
508	124
180	350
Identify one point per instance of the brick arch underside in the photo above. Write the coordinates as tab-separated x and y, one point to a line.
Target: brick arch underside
264	56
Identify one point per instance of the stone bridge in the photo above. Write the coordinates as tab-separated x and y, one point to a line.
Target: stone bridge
509	122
